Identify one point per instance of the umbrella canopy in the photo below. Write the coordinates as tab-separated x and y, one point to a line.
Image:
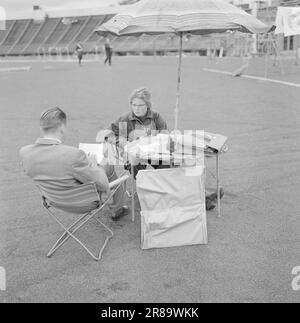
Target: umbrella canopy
197	17
175	16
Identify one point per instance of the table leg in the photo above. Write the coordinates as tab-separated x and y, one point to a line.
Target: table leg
218	185
132	193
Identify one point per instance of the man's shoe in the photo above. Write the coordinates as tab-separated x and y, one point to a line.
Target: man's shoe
124	210
210	204
211	200
214	195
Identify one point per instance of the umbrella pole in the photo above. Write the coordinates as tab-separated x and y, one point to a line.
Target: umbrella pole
178	82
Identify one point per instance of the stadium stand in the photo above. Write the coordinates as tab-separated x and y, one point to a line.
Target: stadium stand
4	33
119	43
38	39
71	37
148	43
55	35
94	42
31	29
92	23
160	42
14	35
58	35
70	33
132	45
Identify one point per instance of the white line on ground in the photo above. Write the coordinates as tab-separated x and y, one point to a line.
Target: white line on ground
15	69
46	61
254	77
217	71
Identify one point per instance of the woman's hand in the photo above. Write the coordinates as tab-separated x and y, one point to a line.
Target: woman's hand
106	135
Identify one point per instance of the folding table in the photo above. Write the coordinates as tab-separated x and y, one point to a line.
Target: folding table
207	153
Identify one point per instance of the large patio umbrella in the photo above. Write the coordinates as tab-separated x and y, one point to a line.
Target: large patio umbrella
181	17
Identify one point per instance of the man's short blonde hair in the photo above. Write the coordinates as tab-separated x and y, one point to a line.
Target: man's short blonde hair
52	119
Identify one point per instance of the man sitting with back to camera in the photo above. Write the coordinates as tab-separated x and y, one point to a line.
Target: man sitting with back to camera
57	166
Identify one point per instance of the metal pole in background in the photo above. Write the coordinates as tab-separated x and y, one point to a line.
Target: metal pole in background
178	82
297	48
266	56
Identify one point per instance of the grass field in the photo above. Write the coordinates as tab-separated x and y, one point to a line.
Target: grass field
252	248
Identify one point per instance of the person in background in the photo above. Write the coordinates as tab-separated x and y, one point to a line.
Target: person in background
56	166
108	51
79	52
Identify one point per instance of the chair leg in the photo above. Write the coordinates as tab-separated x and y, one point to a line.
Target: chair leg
69	234
65	236
106	240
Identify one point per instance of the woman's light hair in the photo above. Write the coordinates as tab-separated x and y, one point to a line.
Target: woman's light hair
143	94
52	119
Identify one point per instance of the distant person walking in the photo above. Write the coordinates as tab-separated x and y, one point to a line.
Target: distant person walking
79	52
108	51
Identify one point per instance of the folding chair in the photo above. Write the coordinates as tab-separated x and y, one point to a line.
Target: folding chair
84	200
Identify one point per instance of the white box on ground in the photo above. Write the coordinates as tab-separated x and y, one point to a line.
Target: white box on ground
172	207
